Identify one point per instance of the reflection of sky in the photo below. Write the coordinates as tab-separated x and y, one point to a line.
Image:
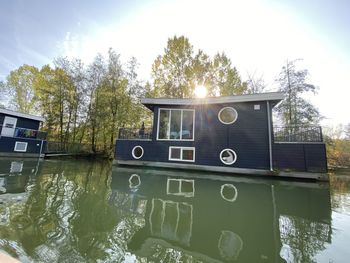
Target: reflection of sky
338	250
343	203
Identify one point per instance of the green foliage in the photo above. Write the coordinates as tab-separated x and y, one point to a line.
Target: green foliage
172	72
338	146
2	93
177	72
294	109
347	132
225	77
20	87
81	104
338	152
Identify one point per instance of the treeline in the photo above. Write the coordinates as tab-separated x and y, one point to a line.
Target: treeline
80	104
89	103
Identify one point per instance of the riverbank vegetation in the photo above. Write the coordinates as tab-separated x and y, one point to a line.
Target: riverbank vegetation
338	146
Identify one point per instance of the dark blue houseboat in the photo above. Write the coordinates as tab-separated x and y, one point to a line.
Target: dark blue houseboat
20	135
233	134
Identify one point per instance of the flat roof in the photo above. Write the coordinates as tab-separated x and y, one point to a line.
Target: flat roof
270	96
22	115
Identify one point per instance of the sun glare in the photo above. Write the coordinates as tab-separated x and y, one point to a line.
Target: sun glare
200	91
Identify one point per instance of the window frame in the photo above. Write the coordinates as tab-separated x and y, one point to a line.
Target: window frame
181	153
181	110
234	154
133	154
231	122
25	148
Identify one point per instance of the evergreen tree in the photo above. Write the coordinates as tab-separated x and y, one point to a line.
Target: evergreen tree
294	109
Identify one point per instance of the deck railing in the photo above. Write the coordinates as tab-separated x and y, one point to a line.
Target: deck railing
62	147
135	134
281	134
27	133
298	134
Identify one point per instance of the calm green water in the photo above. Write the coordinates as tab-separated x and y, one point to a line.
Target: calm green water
83	211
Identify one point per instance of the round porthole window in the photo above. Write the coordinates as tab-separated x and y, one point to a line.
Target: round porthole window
227	115
228	156
137	152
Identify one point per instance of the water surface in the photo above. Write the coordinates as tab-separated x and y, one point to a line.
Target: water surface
84	211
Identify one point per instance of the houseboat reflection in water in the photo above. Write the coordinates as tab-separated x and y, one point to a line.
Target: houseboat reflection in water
180	216
14	173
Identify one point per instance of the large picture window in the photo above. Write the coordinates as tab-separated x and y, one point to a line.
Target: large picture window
175	124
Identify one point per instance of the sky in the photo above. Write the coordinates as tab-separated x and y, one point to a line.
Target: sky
259	36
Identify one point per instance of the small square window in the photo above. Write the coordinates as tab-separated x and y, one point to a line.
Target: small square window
21	147
257	107
175	153
181	153
187	154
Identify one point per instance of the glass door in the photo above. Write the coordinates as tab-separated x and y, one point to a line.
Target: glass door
8	127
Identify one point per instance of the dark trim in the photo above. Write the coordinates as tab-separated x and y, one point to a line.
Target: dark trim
272	96
20	154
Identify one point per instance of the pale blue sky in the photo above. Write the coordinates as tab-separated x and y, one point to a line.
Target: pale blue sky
257	35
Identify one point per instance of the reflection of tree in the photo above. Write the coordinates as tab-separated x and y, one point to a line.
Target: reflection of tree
304	237
66	216
131	211
340	188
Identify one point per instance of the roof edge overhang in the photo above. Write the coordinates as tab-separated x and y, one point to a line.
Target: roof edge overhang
270	96
21	115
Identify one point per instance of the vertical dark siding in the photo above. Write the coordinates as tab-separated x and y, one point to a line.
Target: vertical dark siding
7	145
300	157
248	137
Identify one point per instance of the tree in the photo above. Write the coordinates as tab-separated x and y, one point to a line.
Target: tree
338	148
225	77
201	73
20	87
255	84
95	76
75	91
177	72
53	88
172	71
347	131
2	94
294	109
